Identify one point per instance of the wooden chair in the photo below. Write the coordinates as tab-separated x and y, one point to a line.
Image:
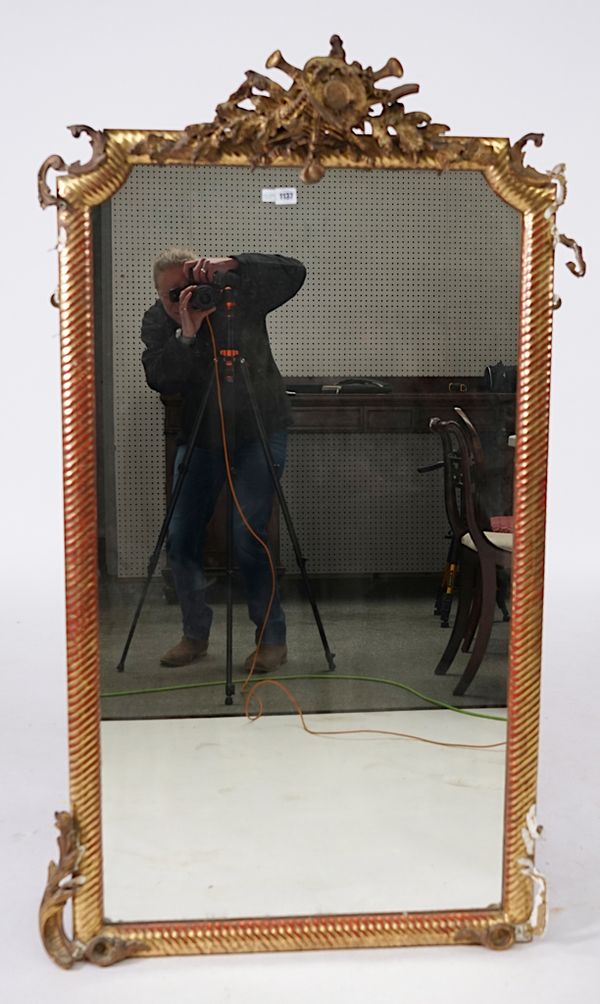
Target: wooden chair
482	550
501	524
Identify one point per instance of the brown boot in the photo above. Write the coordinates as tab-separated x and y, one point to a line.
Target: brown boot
270	657
186	651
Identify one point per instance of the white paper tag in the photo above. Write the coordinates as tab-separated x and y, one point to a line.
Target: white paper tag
280	196
285	197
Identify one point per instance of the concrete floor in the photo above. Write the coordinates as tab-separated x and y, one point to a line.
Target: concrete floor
373	634
217	818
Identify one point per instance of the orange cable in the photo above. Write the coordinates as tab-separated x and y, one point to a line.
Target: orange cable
275	683
253	717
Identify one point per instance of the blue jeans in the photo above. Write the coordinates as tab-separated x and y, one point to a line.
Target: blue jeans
187	533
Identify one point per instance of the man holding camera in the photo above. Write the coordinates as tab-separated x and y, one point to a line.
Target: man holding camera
178	359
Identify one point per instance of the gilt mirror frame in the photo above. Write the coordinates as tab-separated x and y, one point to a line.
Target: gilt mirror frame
334	114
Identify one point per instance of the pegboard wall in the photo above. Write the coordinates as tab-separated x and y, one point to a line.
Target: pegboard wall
359	504
409	273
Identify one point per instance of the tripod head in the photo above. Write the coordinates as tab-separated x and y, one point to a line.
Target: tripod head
224	289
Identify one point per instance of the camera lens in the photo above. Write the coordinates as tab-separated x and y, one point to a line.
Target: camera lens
203	298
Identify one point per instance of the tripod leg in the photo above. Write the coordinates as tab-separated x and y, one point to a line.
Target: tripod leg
153	562
300	559
465	600
440	591
445	604
437	606
229	686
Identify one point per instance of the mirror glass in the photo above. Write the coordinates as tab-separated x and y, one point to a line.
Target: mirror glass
411	300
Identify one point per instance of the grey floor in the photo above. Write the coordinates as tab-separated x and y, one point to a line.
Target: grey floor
390	634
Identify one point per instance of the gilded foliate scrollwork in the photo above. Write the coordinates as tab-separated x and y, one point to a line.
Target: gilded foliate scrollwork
517	158
578	268
557	176
56	163
332	108
63	882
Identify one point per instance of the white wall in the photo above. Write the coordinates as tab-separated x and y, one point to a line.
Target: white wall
501	70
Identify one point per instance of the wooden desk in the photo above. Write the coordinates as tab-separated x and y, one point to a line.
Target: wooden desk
407	408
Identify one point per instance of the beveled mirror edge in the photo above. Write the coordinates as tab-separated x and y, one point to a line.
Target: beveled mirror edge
523	902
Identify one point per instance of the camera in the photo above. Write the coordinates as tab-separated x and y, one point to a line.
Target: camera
204	297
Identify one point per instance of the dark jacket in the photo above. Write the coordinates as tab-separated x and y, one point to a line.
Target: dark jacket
265	282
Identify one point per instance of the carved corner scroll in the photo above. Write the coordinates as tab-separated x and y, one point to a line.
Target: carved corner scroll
105	951
502	935
536	923
63	883
578	268
76	169
333	110
498	937
517	159
558	176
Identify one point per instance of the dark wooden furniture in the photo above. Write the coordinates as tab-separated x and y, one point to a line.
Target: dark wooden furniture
485	519
407	408
481	552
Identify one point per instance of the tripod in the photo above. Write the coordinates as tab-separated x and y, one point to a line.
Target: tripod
231	362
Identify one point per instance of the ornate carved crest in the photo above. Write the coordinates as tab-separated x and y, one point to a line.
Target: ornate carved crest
331	108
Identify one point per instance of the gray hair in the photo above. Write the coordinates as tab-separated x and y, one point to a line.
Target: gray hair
172	256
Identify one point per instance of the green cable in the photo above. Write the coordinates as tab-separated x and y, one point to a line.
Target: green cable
312	676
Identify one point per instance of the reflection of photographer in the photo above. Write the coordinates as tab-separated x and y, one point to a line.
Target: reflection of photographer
178	359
